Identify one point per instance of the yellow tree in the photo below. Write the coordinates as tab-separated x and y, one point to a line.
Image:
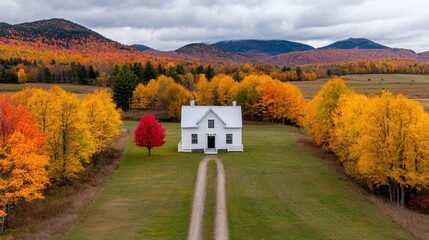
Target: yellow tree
22	97
140	99
23	156
203	91
177	96
22	76
146	96
318	120
247	96
212	88
41	103
225	90
345	134
103	118
70	140
188	81
164	83
151	91
393	147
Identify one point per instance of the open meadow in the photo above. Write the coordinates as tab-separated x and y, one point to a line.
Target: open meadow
74	88
412	86
276	189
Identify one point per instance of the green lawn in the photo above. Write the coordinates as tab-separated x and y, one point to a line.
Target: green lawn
275	190
147	198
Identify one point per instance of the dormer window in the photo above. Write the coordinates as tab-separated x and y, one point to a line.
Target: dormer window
211	123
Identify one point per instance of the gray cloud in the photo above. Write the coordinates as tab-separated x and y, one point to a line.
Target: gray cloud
167	25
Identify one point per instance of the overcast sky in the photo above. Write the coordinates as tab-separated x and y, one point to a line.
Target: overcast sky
168	25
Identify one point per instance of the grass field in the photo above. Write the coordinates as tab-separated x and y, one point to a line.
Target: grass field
275	190
78	89
412	86
147	198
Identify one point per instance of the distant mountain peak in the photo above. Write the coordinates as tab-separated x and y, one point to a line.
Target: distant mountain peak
192	47
250	47
355	43
140	47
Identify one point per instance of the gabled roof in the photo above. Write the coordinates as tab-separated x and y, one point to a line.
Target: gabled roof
229	115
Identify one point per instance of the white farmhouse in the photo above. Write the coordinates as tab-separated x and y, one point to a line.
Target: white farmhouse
210	129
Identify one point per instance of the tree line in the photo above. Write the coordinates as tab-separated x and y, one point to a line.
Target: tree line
260	97
50	137
382	141
18	70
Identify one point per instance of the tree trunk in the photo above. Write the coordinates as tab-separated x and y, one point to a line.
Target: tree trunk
402	195
390	191
3	219
397	194
8	211
149	151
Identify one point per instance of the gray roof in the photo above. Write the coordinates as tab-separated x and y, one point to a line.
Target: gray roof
229	115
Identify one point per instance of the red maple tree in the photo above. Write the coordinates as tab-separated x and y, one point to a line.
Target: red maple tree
149	133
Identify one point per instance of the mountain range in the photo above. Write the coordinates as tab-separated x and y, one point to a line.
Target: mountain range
64	34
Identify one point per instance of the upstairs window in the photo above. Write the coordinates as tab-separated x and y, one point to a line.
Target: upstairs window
228	138
211	123
194	138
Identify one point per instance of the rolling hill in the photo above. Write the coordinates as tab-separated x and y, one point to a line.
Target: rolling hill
140	47
210	53
355	43
423	56
58	34
339	55
261	48
200	52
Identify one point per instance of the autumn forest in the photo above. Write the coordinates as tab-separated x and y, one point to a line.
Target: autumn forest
51	138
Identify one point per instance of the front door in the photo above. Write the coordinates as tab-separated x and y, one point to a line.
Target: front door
210	141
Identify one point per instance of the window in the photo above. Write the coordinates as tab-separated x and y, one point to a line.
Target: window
194	138
211	123
228	138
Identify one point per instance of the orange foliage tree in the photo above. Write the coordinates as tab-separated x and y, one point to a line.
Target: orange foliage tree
23	156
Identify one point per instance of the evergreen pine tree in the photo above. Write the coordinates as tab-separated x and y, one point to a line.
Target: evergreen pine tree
149	73
160	70
123	85
209	72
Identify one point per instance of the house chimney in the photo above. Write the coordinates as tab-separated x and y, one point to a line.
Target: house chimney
192	103
234	103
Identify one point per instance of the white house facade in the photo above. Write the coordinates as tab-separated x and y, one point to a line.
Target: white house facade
210	129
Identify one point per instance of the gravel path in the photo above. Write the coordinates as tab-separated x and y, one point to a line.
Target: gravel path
221	221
